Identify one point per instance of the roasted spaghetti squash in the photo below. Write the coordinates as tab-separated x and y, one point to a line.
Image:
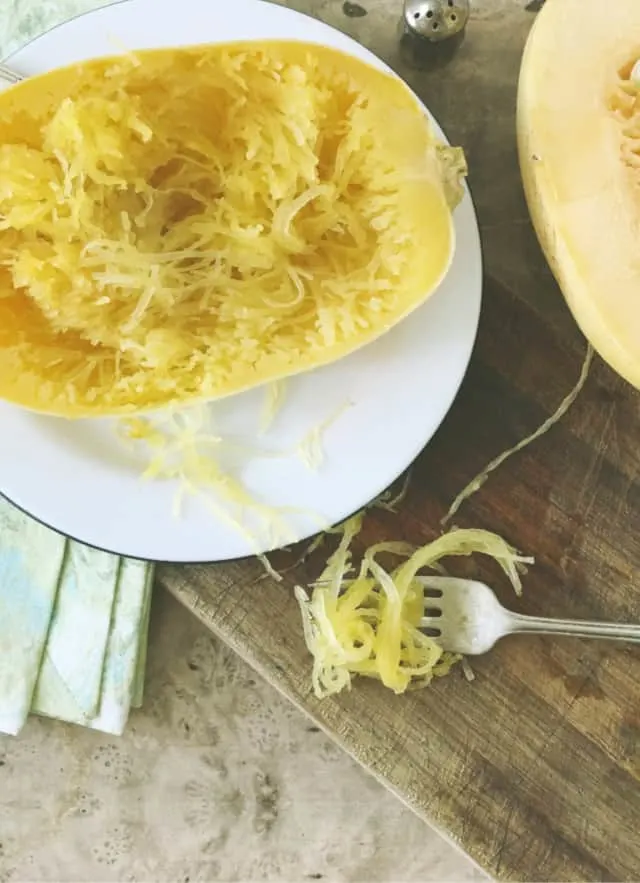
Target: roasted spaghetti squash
181	225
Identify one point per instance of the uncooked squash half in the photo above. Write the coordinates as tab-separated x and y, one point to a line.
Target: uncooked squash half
579	145
182	225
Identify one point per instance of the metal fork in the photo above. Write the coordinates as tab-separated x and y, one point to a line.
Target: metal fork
8	76
464	616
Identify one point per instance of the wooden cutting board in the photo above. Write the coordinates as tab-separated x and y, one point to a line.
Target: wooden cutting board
534	768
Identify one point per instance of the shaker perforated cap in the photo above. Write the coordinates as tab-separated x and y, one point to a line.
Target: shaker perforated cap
436	20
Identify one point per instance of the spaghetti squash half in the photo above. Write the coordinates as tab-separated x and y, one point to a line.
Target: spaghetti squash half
578	127
181	225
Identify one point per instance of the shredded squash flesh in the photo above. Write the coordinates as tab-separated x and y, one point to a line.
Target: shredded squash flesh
370	624
198	221
183	446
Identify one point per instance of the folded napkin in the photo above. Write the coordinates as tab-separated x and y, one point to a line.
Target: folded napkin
73	628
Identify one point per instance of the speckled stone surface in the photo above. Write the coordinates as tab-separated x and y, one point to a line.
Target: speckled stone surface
217	778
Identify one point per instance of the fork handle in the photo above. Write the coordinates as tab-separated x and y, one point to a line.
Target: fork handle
614	631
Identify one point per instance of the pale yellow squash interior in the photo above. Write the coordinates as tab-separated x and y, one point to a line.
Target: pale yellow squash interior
579	145
181	225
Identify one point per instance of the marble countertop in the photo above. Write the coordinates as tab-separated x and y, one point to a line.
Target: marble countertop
216	778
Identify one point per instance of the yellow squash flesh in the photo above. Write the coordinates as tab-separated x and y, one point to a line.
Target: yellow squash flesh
182	225
578	130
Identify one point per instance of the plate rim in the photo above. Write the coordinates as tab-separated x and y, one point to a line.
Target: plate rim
472	343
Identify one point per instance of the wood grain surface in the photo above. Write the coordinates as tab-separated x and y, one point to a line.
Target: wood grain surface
534	768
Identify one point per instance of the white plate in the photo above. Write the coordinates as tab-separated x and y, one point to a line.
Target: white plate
77	478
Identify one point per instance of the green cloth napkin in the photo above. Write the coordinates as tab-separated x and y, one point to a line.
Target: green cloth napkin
31	560
73	628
